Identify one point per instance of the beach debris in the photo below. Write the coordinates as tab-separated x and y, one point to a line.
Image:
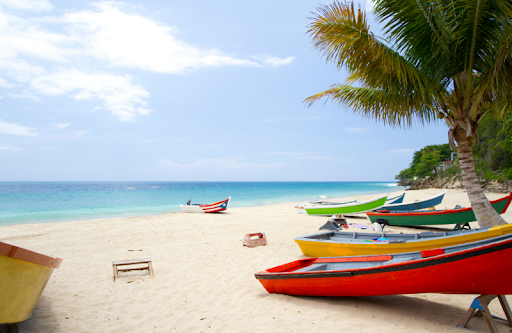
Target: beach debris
141	264
255	239
336	222
360	226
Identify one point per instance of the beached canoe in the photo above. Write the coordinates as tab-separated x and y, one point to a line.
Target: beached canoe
415	205
205	208
482	267
345	208
436	217
394	200
23	276
336	243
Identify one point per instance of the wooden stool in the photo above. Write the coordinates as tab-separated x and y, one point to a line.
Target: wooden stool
131	262
480	307
261	240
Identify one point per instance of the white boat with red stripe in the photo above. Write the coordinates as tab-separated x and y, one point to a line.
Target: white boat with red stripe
205	208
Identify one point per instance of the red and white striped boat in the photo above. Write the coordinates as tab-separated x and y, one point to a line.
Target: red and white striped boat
206	208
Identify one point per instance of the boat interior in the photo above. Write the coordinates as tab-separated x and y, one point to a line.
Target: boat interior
342	263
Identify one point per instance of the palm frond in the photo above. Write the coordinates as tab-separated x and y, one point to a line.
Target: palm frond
341	32
381	105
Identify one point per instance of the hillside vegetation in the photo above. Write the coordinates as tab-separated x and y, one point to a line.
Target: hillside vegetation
493	159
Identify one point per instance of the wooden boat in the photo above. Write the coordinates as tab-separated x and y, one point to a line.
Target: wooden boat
482	267
205	208
336	243
345	208
458	216
23	276
394	200
415	205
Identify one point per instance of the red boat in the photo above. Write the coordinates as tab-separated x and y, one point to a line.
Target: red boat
482	267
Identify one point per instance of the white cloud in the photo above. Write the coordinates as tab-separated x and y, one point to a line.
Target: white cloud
25	95
60	126
6	146
119	96
402	151
268	59
28	37
33	5
4	84
108	32
359	130
219	163
129	40
15	129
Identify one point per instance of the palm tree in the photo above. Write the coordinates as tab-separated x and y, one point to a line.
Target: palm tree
442	59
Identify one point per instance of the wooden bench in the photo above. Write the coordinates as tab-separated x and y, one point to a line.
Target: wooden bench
117	269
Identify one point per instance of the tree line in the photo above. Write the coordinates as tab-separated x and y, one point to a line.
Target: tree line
492	155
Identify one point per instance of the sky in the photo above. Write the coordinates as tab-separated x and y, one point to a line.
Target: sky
181	91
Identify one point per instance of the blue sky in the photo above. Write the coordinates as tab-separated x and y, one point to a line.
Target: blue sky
180	90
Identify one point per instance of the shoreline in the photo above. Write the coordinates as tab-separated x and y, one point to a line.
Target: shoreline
146	211
204	277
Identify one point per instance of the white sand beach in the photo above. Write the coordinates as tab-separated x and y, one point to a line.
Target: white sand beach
204	277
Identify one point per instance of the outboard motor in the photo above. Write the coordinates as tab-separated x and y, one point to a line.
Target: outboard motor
188	202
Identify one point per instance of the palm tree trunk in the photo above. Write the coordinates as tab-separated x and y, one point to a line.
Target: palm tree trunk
485	214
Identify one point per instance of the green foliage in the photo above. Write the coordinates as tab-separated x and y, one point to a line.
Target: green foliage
405	175
509	174
429	161
493	155
425	161
454	171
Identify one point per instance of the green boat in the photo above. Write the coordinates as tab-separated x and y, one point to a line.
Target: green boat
459	216
345	208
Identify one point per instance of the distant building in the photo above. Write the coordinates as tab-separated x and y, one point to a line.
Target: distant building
445	165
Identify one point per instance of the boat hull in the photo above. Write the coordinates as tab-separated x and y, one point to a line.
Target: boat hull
210	208
480	270
421	204
345	209
325	248
22	281
449	216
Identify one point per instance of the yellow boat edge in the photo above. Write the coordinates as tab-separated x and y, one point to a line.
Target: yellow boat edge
327	249
23	276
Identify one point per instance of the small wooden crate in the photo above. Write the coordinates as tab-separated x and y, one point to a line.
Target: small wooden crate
261	240
123	263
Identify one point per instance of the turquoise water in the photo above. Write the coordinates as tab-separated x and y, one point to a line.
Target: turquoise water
40	202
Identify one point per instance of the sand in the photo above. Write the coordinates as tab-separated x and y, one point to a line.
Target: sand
204	277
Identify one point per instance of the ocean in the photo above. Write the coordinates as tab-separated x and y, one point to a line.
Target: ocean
42	202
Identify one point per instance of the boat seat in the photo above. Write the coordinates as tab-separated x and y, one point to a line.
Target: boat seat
322	267
399	259
429	234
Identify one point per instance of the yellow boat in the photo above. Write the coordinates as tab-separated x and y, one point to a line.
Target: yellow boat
23	276
336	243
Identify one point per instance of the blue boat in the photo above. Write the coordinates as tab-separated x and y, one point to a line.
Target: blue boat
396	200
415	205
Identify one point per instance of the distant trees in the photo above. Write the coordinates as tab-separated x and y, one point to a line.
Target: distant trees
425	162
493	154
